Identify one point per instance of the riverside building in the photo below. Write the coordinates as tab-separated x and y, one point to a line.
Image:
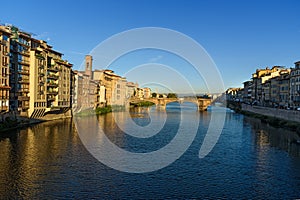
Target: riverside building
38	79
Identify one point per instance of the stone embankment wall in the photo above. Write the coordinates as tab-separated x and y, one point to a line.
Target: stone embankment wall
292	115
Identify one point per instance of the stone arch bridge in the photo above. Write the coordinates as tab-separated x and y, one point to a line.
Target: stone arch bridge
201	103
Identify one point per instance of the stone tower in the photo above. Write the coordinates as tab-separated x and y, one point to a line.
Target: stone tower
88	65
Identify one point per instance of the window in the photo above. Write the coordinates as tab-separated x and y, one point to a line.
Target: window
5	37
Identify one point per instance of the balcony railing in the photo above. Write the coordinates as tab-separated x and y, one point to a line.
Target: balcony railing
52	69
23	62
26	72
23	98
4	97
24	90
40	56
52	92
51	99
4	87
25	53
2	108
26	81
52	84
52	77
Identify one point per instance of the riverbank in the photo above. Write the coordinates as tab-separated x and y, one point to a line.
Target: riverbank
11	121
278	118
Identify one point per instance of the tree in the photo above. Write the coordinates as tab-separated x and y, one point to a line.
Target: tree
172	95
154	95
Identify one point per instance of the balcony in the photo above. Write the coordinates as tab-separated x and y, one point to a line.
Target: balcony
24	81
25	72
52	84
5	87
23	98
4	108
51	98
23	62
52	69
40	56
52	92
26	90
24	53
54	77
4	97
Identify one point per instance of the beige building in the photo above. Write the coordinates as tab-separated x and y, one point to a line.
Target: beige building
119	92
50	78
259	78
147	93
131	89
140	93
284	88
87	92
266	93
295	86
112	85
4	69
234	94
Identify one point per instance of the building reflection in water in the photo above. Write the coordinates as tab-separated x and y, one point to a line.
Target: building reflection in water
270	142
28	154
279	138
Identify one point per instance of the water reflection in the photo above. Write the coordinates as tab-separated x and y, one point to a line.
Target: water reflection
251	160
27	155
279	138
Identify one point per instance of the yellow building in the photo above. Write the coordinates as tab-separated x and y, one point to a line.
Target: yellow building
50	80
4	69
114	85
259	78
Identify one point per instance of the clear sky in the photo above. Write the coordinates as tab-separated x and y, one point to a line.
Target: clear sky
240	36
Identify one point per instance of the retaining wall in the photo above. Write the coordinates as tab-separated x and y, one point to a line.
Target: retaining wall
292	115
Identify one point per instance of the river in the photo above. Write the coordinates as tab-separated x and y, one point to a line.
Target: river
250	160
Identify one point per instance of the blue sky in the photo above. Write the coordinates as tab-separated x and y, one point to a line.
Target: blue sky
240	36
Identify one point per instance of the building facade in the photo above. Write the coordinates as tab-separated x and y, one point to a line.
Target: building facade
295	86
258	80
4	69
38	79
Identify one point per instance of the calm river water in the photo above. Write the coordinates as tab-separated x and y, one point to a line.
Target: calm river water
250	160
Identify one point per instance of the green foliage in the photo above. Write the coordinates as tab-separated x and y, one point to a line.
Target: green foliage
104	110
172	95
108	109
143	104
